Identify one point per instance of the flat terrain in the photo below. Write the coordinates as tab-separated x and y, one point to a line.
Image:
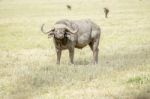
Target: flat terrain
27	57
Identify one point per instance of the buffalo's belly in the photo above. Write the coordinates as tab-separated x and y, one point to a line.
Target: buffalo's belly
83	41
80	46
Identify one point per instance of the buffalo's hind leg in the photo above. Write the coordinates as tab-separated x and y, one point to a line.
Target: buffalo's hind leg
94	47
95	51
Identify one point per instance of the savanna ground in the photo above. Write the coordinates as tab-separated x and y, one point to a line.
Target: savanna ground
27	57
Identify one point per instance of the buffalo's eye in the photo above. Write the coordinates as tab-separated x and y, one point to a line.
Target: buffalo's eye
65	34
53	30
66	30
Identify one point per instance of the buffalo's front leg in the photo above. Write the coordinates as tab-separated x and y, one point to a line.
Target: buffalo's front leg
71	55
58	51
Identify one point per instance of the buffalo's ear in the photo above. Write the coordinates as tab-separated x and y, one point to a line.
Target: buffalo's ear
51	34
70	36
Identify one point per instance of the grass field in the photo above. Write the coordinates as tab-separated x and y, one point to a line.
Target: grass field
27	57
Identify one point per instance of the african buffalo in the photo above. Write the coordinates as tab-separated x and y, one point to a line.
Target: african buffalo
71	34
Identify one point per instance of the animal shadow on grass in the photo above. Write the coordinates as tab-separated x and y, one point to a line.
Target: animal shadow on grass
82	62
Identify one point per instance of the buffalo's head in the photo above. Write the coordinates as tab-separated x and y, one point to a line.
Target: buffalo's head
59	31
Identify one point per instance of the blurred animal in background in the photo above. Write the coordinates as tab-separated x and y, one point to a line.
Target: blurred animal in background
69	7
71	34
106	11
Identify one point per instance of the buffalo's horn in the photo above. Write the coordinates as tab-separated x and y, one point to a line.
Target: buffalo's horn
66	27
71	30
45	32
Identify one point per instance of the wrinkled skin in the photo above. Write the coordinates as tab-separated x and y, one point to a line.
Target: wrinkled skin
85	33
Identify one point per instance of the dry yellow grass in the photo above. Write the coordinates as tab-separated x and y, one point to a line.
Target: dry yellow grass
27	57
